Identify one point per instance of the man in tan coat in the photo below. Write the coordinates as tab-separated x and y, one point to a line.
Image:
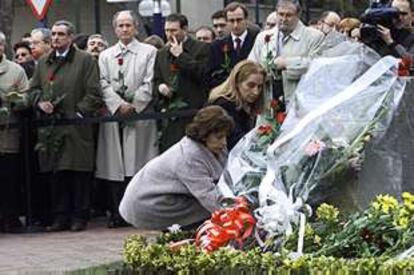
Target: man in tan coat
291	43
126	70
12	79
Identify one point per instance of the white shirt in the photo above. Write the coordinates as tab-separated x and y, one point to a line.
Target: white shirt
64	54
242	37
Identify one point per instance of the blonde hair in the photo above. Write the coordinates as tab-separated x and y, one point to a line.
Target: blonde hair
229	89
349	23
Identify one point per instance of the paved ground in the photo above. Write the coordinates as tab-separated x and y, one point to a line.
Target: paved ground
59	253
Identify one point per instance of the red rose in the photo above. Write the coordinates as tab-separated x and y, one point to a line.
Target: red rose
226	48
274	103
174	67
404	66
267	38
280	117
120	61
264	129
51	77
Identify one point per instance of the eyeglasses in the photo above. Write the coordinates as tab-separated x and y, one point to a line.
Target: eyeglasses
20	55
270	25
403	13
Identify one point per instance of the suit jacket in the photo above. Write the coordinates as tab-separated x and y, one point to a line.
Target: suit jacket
177	187
216	73
191	70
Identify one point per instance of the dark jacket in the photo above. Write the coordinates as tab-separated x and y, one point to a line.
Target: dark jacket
78	80
192	65
403	44
216	73
242	120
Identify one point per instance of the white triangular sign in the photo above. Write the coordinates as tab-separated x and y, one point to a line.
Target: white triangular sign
39	7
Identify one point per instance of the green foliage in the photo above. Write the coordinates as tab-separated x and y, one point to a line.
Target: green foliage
156	258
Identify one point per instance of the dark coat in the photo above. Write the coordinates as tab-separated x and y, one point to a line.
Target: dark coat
243	122
192	65
216	73
78	80
403	44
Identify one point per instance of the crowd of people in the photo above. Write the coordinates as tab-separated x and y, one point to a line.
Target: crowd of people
171	166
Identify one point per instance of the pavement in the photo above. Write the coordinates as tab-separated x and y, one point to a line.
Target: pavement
64	252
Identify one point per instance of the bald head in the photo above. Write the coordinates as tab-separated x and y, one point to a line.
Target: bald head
404	6
328	21
271	21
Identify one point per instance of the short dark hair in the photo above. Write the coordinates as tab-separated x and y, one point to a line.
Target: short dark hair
235	5
81	41
210	119
176	17
207	28
22	44
218	14
69	26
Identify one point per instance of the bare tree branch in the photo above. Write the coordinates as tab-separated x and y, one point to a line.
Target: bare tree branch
6	22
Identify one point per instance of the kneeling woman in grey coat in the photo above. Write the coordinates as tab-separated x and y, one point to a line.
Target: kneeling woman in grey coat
179	186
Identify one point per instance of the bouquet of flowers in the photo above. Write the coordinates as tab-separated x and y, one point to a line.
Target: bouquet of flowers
176	101
9	99
50	139
247	161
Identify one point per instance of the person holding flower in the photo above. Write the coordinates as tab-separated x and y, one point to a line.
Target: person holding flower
240	95
179	186
13	81
65	84
179	72
126	70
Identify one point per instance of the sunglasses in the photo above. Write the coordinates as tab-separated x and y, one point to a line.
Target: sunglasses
20	55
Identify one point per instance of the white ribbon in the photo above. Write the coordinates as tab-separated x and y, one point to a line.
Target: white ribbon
279	211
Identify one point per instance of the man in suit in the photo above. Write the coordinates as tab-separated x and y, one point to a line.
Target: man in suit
178	77
233	48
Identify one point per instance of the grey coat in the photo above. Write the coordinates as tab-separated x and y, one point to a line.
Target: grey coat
178	187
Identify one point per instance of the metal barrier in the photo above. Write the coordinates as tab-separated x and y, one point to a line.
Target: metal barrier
26	124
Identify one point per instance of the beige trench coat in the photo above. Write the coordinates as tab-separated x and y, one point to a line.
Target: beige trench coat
298	49
11	74
114	161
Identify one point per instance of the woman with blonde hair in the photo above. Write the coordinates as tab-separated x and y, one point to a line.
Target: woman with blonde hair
347	25
240	95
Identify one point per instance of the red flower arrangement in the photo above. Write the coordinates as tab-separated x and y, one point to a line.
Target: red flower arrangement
234	223
404	66
120	61
280	117
264	129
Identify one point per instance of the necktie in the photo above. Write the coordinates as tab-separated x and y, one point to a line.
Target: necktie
238	44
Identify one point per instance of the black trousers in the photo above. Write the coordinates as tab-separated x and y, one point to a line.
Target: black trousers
116	191
71	196
42	198
10	197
